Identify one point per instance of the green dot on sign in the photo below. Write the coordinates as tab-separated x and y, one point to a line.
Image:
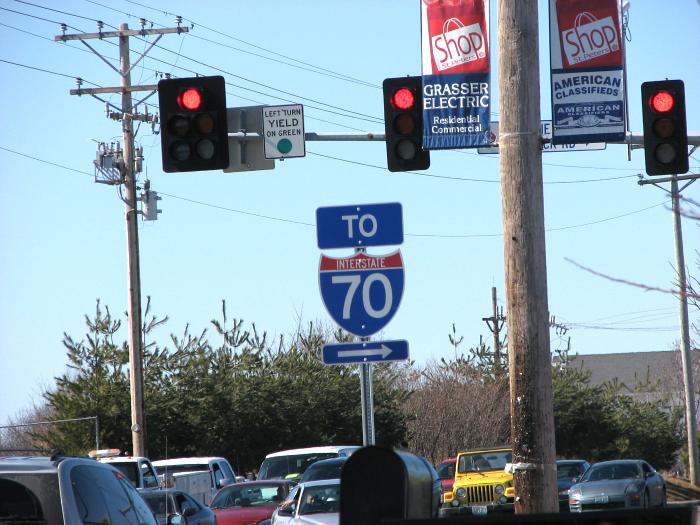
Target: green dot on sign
284	146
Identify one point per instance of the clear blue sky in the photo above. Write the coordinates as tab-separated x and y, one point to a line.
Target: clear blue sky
249	238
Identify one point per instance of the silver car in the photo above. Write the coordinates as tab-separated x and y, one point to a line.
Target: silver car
624	483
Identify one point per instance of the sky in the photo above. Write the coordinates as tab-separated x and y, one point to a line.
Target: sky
249	238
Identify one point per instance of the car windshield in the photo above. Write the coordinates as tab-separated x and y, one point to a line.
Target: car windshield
323	471
129	469
320	499
257	495
568	471
446	470
292	466
160	504
482	461
612	471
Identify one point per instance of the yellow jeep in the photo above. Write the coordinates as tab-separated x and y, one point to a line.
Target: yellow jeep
481	483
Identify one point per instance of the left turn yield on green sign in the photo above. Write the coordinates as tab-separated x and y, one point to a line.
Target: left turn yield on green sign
283	131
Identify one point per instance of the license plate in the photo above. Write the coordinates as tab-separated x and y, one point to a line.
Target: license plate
602	499
480	510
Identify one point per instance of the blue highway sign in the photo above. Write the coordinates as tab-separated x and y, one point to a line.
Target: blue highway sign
371	351
359	225
362	292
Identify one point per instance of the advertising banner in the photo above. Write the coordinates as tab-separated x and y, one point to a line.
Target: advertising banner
456	73
586	53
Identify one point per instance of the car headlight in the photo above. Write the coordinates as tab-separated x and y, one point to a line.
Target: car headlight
460	492
498	489
575	493
564	492
633	489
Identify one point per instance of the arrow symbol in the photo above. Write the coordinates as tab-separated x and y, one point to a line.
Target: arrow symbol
383	351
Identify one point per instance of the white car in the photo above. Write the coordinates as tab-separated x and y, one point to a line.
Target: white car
310	503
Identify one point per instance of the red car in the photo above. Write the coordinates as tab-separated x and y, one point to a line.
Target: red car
249	502
446	472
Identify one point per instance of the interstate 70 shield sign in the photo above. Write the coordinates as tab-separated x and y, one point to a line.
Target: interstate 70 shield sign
362	292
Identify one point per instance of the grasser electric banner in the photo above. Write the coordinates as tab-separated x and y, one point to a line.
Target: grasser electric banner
456	73
587	51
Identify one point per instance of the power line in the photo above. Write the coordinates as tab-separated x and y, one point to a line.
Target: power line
312	69
292	221
350	113
356	80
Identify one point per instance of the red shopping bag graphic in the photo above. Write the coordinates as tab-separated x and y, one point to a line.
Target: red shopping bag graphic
589	33
458	36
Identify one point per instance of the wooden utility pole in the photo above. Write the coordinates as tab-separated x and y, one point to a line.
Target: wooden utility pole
127	169
520	145
495	323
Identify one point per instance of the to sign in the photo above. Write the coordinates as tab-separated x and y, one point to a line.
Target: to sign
371	351
362	292
359	225
283	131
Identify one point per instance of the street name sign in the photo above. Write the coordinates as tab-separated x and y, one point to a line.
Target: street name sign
283	131
546	132
362	292
370	351
359	225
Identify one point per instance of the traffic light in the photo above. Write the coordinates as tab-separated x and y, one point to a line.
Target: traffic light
665	130
194	131
378	483
403	124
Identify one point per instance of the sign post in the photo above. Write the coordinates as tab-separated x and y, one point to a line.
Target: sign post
362	292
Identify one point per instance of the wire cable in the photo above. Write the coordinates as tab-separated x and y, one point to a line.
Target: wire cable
293	221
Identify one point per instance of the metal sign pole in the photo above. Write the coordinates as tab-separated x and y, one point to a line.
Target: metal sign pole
367	403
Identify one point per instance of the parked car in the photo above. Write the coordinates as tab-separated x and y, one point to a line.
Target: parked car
291	464
249	502
446	472
324	469
138	469
482	483
60	490
172	506
623	483
568	470
315	502
186	474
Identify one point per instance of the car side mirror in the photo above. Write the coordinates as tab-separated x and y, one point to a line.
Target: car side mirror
189	511
175	519
225	481
287	510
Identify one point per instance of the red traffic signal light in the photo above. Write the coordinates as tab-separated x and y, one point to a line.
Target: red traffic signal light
665	128
190	99
403	124
194	130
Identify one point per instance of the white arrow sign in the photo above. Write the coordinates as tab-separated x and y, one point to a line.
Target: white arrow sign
383	351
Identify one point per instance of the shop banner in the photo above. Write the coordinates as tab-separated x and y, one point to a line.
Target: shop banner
456	73
586	53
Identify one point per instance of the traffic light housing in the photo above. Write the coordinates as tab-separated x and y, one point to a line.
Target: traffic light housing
194	130
403	124
665	129
378	483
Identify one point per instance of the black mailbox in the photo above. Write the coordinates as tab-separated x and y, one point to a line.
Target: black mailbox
379	483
